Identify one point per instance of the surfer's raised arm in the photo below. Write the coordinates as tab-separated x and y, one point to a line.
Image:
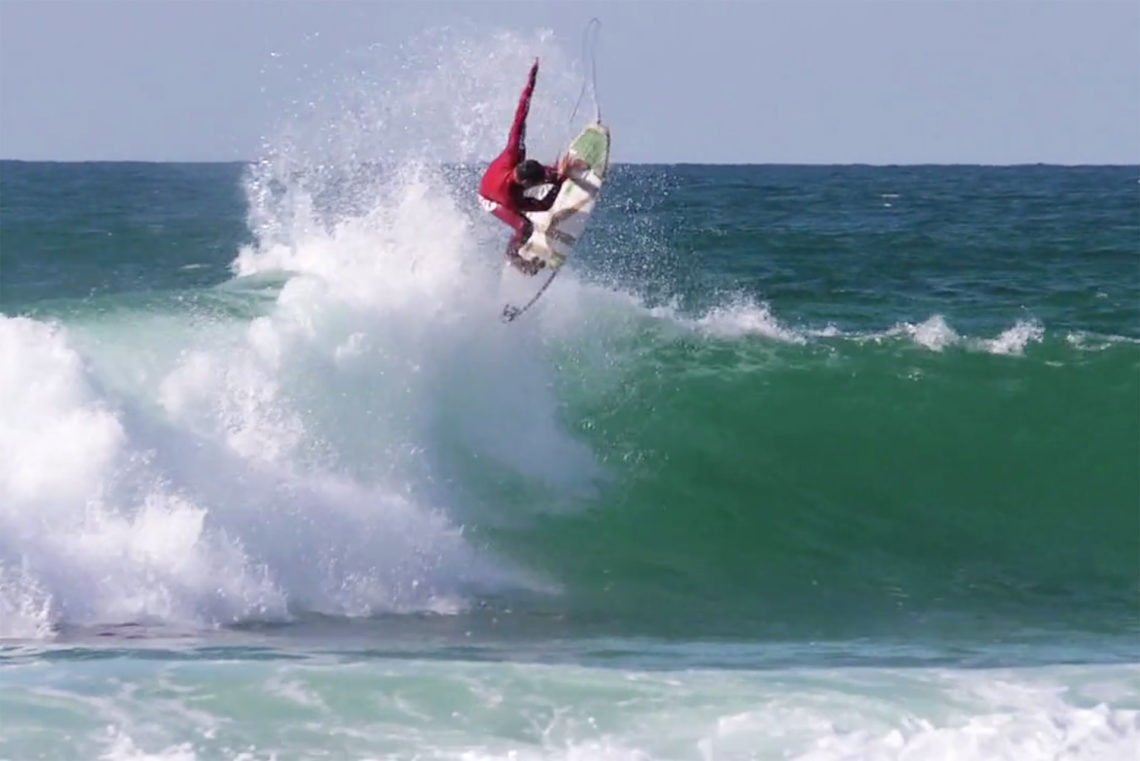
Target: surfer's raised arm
505	182
516	143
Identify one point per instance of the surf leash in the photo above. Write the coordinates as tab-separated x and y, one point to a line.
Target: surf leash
510	312
590	50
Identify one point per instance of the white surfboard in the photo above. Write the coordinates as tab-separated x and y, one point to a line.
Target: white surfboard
556	231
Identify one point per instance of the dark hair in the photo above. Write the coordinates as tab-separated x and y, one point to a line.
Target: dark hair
530	171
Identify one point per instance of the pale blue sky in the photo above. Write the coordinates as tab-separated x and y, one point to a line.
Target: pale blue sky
1005	81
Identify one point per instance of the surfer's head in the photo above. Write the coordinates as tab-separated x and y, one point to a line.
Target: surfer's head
529	173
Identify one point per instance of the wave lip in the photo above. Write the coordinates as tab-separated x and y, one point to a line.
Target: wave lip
933	334
1014	340
741	316
744	316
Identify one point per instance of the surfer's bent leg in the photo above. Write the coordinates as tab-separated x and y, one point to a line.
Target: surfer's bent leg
523	228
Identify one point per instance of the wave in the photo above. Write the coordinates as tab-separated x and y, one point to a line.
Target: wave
370	420
787	479
346	428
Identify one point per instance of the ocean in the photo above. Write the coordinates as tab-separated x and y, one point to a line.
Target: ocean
791	462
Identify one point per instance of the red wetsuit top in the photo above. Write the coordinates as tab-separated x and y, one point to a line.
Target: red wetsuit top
498	183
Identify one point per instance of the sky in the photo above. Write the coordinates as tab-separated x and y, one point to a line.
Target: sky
751	81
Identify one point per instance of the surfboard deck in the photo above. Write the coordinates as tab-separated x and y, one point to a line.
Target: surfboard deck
557	230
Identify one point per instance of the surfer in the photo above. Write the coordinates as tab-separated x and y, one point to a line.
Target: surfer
511	173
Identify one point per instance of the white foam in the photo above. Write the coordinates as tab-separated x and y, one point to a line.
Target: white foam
95	532
740	316
53	424
1085	341
208	513
25	609
934	333
1013	340
745	317
121	747
1006	718
456	710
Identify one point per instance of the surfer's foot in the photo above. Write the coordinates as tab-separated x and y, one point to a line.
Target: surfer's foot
527	266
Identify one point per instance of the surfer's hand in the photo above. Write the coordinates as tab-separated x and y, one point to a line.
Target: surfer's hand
567	164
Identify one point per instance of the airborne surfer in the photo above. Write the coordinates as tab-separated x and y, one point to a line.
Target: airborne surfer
502	189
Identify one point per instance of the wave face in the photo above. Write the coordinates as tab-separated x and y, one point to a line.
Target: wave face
764	402
776	481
